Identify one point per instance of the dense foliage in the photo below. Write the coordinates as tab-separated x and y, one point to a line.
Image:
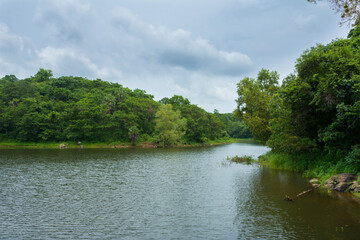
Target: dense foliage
318	107
202	126
43	109
169	125
233	126
253	102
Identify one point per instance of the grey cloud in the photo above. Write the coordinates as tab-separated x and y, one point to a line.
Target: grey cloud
180	59
15	53
178	48
69	61
64	20
58	26
10	43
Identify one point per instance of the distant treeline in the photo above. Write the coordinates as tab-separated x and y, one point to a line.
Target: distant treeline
42	108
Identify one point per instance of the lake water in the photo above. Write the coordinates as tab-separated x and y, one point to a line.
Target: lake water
177	193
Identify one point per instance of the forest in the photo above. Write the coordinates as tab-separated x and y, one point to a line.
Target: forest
43	108
312	120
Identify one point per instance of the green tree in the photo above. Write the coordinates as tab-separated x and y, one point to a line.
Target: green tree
169	125
200	125
283	138
44	108
233	126
253	103
134	133
43	75
320	105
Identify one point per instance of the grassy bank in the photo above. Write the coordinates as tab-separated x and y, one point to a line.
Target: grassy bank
144	144
319	164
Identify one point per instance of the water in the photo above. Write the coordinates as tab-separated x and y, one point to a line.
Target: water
182	193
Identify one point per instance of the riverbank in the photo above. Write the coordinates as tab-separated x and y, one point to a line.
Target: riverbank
318	165
56	145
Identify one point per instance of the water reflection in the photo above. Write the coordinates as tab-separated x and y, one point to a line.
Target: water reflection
262	213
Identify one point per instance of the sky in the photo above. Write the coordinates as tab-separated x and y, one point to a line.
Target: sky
199	49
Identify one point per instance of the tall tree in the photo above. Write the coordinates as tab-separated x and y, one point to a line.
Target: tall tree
320	105
169	125
134	133
253	102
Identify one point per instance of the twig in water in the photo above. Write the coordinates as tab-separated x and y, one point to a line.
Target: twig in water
302	193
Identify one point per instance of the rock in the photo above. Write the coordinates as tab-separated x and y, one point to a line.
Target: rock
315	182
340	182
342	186
355	187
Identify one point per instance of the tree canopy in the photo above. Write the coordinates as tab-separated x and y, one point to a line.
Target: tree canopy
170	125
253	102
316	108
45	108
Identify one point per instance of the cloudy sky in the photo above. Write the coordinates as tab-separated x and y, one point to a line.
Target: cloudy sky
198	49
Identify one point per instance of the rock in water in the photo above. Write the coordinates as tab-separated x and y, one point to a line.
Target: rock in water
355	187
340	182
315	182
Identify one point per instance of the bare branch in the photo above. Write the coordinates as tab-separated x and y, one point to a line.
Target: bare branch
349	10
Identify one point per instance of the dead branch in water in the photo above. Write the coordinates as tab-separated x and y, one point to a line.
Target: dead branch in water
302	193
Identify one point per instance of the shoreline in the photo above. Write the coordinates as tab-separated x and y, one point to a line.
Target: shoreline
73	145
340	182
317	173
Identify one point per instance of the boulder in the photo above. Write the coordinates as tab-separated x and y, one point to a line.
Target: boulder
342	186
340	182
355	187
314	182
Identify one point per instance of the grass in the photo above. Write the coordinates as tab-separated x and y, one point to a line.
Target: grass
56	145
243	159
8	144
356	194
29	145
319	164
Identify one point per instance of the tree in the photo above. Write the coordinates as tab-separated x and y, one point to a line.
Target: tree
169	125
253	102
283	138
320	105
134	133
178	102
200	125
45	108
43	75
349	9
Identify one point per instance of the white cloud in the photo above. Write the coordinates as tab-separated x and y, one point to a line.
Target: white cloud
14	54
9	40
304	20
72	62
64	19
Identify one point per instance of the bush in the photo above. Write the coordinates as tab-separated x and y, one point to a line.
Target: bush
353	158
243	159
